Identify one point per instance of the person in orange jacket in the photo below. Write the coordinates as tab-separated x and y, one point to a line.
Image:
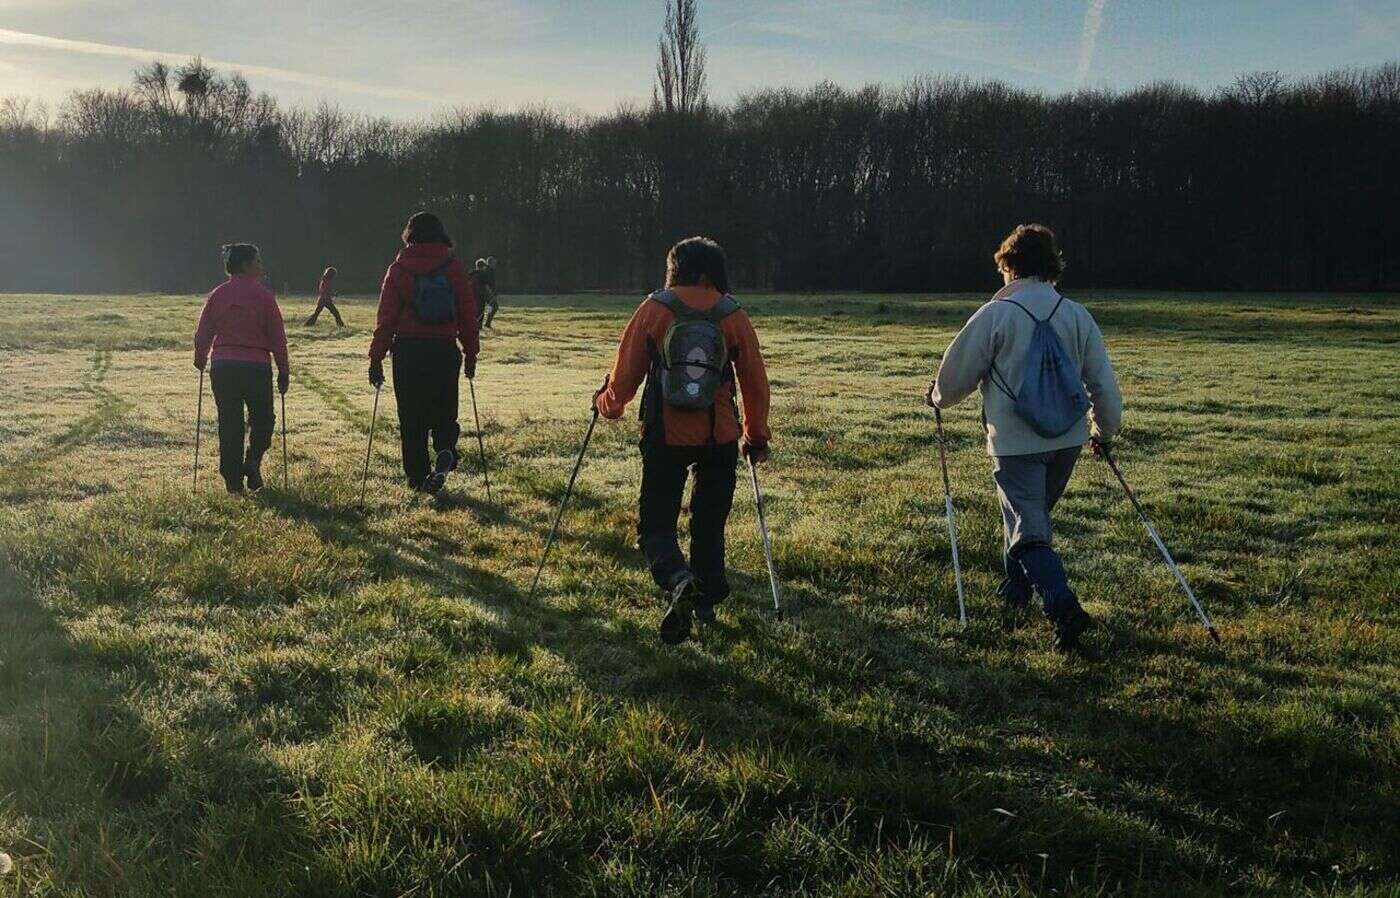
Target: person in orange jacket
692	344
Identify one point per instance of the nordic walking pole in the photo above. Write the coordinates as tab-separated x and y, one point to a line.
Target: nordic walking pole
1161	546
198	425
373	416
554	531
480	441
952	517
284	441
568	491
767	542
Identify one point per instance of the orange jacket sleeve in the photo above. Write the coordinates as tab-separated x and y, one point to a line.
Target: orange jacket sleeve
754	393
632	362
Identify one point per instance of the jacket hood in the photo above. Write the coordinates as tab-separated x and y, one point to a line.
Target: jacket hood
421	258
699	298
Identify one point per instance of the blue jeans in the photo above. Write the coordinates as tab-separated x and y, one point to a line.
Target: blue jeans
1028	486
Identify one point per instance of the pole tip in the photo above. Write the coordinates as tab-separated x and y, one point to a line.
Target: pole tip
1214	634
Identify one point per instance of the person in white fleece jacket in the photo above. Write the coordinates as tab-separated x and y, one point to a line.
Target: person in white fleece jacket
1031	471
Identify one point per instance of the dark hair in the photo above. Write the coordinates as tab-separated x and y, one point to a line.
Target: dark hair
1030	251
425	227
694	258
238	256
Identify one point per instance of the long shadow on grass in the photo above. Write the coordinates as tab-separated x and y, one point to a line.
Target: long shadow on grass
113	806
988	748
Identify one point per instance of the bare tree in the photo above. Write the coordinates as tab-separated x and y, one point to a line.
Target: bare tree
680	66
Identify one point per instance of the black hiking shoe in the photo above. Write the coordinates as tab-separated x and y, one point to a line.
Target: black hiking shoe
445	464
675	626
235	487
1070	628
254	477
705	614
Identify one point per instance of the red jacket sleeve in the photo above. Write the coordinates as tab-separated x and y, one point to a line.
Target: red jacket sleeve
632	362
204	335
387	319
468	327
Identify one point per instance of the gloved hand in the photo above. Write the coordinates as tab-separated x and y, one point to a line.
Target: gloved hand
1101	447
607	378
469	369
376	374
284	380
928	396
200	363
756	453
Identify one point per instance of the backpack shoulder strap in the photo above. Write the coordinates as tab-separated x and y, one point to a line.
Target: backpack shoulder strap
1057	307
726	306
1026	310
668	299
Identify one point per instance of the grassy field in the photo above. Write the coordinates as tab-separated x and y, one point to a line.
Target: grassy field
285	695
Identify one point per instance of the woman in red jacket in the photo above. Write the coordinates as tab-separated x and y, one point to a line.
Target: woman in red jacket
426	309
241	326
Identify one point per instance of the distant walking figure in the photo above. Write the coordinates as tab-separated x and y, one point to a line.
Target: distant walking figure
241	329
1015	348
484	276
326	299
427	307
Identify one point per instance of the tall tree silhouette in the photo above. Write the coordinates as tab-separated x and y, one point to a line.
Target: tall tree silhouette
680	67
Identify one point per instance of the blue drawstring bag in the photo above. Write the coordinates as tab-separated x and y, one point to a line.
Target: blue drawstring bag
1052	398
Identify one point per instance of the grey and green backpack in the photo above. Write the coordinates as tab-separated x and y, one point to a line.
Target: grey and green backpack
693	360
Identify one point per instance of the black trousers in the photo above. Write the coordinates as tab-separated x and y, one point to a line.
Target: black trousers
489	306
236	386
664	473
425	385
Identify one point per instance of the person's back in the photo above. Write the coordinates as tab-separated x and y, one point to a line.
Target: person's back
701	438
990	353
427	308
242	322
241	330
1031	468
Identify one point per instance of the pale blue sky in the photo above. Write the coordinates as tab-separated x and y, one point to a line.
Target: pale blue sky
411	59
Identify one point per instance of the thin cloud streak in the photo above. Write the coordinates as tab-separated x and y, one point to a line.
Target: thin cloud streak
307	79
906	26
1089	38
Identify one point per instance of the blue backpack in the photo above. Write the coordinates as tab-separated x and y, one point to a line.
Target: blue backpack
434	300
1052	398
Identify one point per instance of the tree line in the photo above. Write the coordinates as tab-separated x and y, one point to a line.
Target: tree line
1267	183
